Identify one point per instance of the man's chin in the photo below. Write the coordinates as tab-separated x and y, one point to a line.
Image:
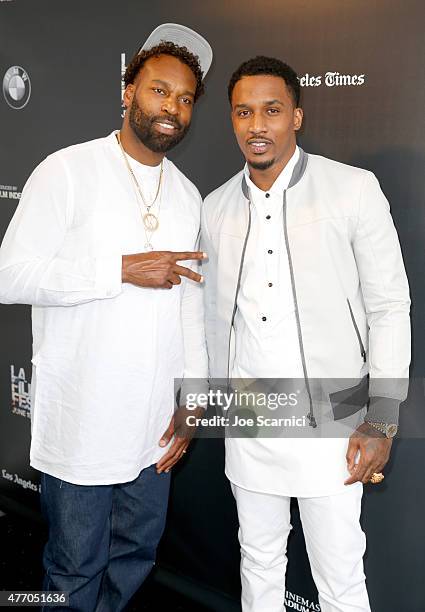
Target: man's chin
261	164
160	143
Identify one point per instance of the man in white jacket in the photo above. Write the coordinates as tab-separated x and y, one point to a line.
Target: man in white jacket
305	281
97	241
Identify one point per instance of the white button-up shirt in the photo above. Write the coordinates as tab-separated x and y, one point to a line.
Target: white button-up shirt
266	311
267	346
105	354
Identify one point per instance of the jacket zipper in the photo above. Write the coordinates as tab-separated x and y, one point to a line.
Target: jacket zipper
310	416
238	284
359	338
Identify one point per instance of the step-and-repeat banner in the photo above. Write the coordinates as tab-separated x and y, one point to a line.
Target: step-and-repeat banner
361	68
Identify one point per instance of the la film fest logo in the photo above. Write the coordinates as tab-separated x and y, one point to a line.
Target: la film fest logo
332	79
16	87
299	603
20	389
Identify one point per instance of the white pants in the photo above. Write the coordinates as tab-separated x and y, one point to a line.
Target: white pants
335	545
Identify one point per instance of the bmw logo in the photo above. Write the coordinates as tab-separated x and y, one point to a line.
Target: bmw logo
16	87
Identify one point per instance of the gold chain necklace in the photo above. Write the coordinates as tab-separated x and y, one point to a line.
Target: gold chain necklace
150	220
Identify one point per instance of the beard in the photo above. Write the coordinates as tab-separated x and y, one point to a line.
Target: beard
261	165
142	125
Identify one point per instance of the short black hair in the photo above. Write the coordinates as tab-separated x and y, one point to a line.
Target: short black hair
166	48
267	66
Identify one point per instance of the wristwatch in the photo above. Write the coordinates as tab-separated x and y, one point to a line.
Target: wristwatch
388	429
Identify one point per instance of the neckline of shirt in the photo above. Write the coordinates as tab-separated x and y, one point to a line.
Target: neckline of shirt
282	181
136	166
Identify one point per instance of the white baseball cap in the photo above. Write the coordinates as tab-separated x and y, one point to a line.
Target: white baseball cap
183	37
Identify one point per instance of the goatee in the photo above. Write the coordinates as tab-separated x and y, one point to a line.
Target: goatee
261	165
142	125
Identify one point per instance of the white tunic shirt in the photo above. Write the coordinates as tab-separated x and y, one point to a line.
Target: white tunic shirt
105	354
266	311
267	346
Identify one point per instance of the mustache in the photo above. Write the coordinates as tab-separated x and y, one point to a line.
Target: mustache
259	139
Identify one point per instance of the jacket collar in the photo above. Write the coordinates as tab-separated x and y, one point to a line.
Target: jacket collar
297	174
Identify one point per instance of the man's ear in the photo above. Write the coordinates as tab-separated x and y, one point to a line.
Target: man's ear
128	94
298	118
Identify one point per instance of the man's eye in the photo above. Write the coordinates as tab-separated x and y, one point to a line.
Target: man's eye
272	111
187	101
243	113
158	90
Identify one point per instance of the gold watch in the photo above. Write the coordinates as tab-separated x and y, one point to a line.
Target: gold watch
388	429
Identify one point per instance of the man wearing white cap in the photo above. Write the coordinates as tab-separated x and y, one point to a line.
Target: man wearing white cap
96	242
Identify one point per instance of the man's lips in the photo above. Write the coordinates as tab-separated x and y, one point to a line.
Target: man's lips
166	127
259	145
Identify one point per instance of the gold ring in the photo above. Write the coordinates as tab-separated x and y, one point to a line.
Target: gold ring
377	477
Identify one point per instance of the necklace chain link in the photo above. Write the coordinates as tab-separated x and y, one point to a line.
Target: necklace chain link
150	220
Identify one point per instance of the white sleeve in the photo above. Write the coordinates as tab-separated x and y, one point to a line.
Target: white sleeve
210	291
195	350
32	270
385	292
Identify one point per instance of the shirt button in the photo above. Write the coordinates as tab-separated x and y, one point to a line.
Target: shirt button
270	284
264	318
268	217
270	251
267	195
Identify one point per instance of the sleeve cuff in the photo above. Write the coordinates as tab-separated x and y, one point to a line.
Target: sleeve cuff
383	410
191	388
109	275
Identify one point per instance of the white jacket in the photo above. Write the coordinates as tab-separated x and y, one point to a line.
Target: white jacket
348	280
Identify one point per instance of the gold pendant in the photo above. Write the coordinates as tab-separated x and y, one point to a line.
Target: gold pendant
150	222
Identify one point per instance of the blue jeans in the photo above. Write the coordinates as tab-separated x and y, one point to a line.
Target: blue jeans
102	539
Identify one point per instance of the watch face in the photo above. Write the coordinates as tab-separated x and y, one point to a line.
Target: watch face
391	431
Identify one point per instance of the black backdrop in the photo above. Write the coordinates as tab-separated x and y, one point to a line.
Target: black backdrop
363	96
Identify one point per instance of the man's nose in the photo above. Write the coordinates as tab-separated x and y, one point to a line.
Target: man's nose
169	105
257	124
